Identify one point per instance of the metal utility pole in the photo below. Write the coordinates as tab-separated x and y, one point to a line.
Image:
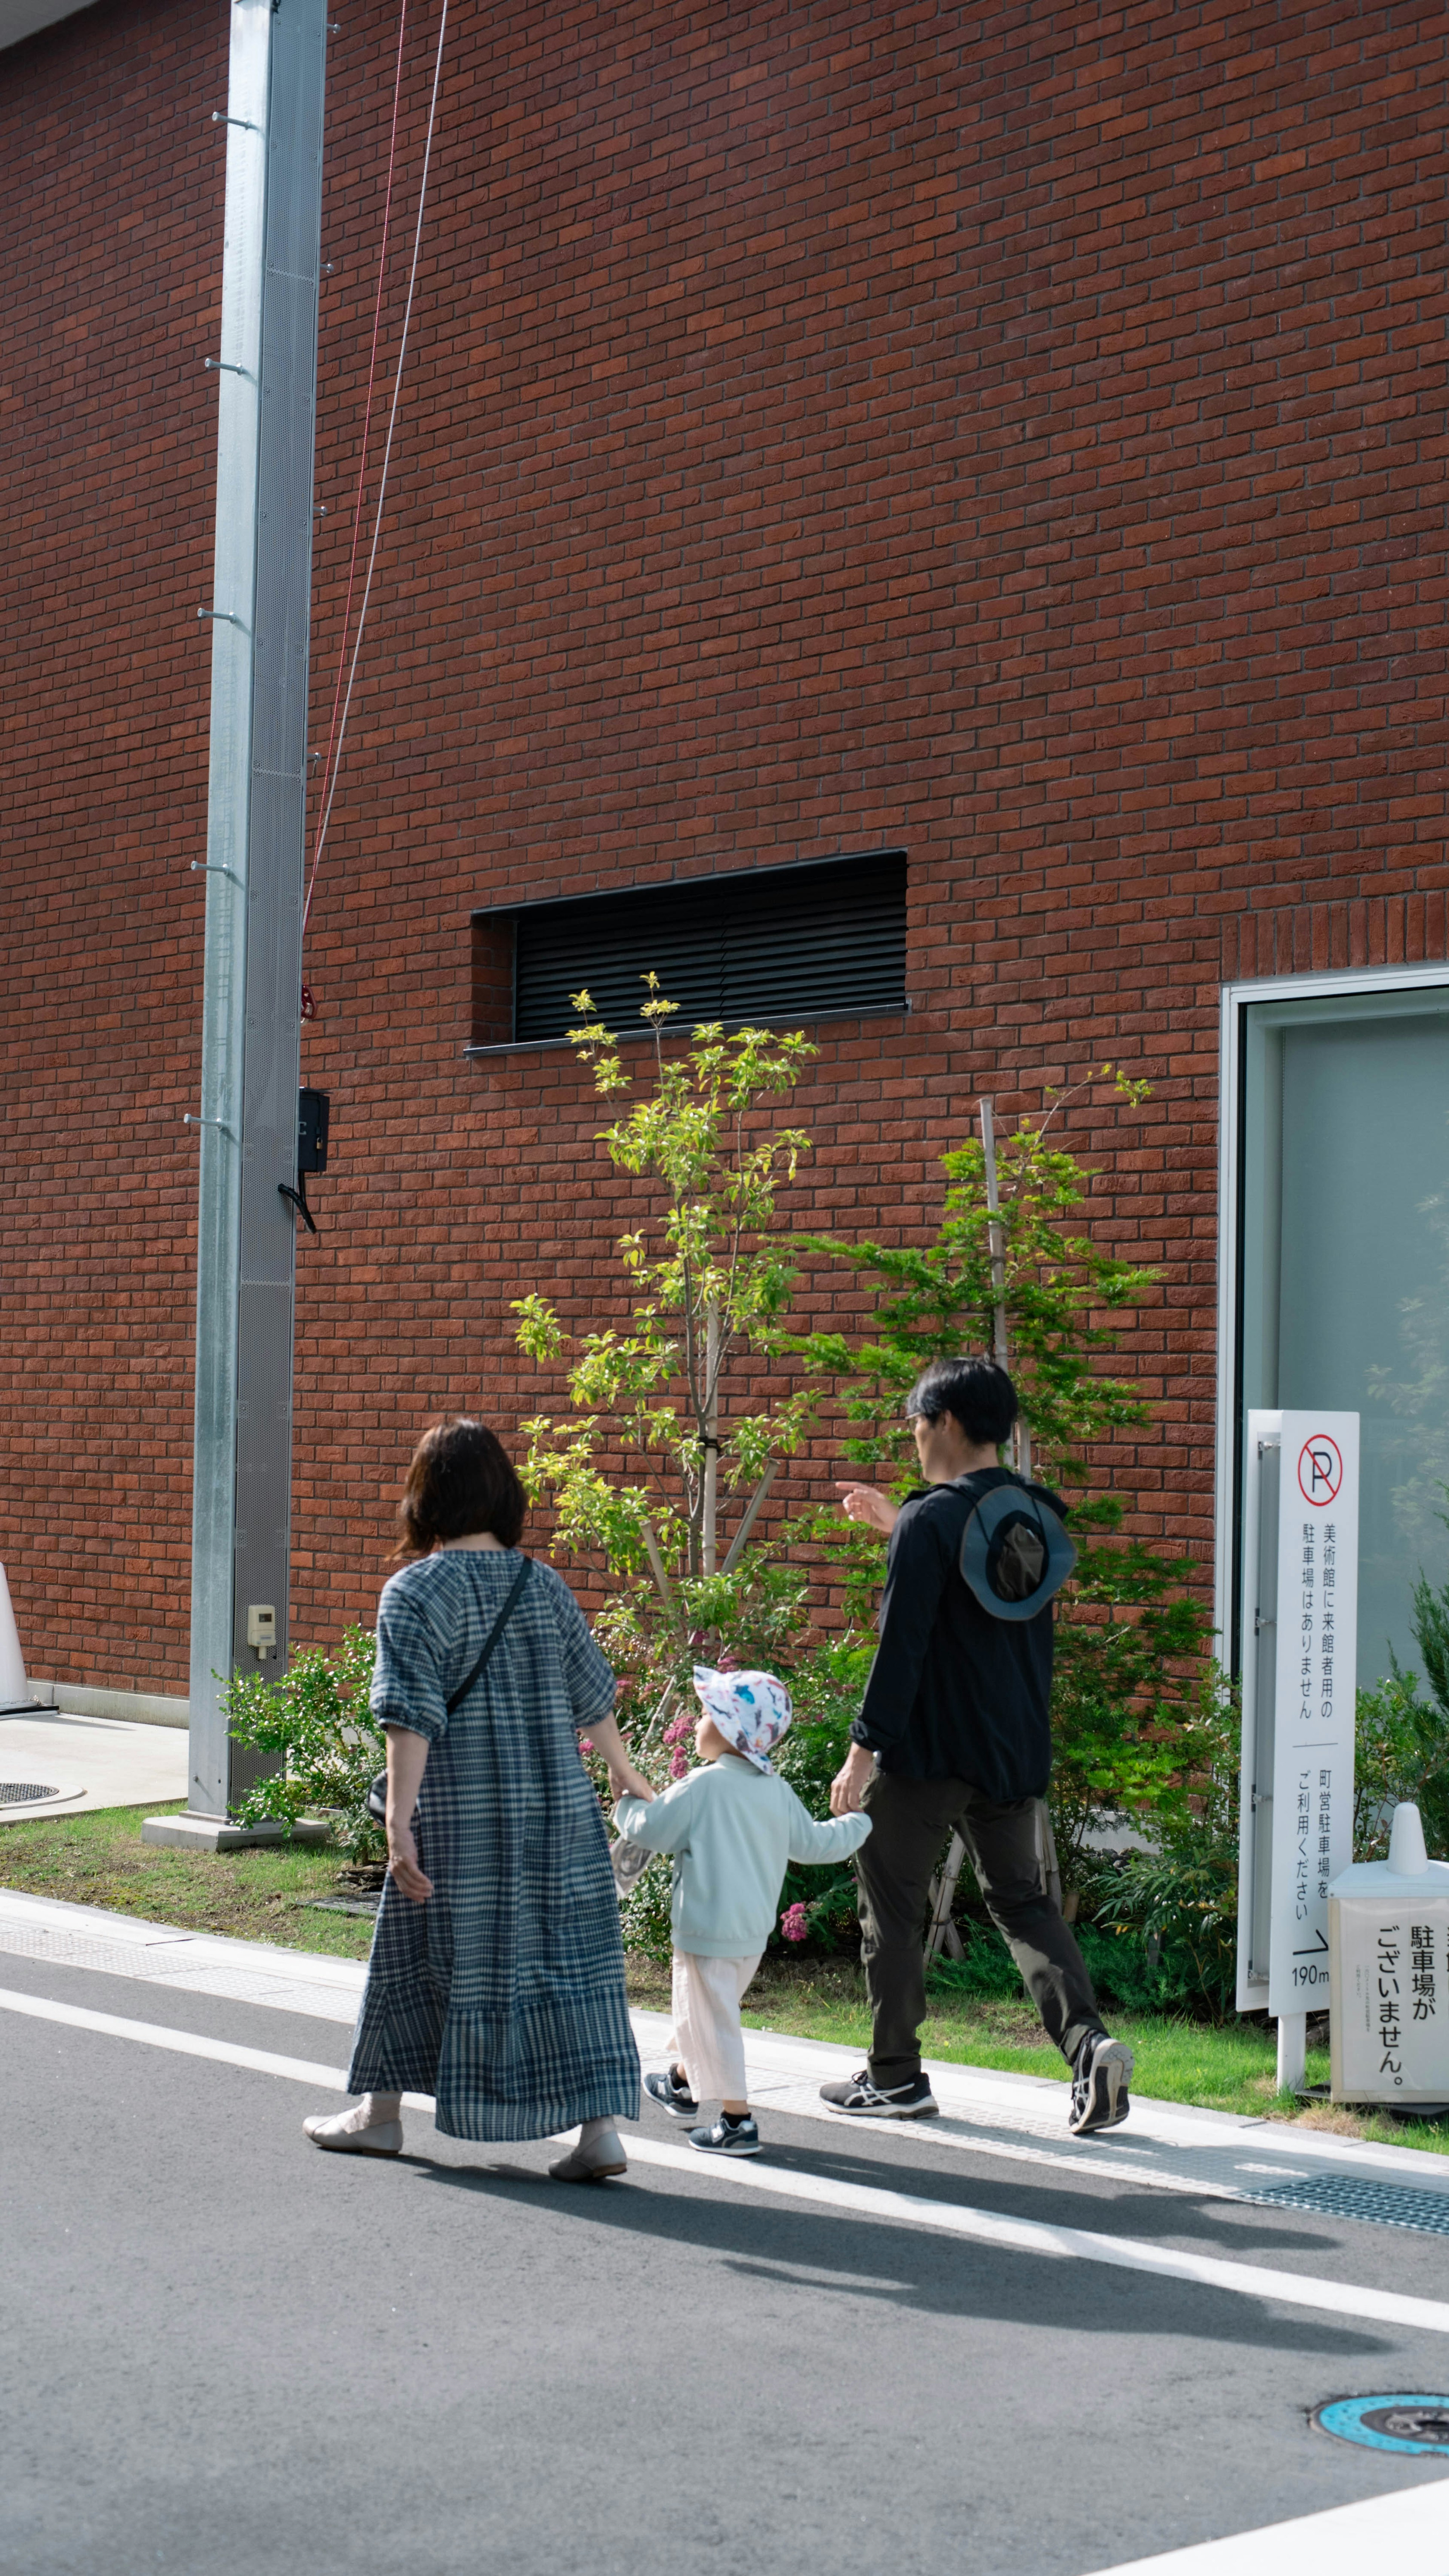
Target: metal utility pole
259	616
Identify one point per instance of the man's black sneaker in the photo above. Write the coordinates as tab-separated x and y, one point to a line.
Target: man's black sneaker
727	2138
913	2100
1099	2085
671	2096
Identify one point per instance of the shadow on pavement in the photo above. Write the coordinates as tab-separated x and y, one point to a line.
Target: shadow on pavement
1153	2215
907	2267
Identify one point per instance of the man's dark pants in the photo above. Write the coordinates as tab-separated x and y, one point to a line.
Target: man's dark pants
909	1823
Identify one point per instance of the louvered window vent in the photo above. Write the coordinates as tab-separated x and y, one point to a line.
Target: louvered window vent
768	946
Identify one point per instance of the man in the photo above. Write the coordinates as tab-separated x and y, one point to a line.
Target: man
955	1731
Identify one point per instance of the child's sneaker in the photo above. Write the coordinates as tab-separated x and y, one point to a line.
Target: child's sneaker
671	2096
728	2137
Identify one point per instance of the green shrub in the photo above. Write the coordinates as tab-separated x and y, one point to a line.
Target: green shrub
1162	1933
1165	1940
644	1917
986	1972
317	1718
1401	1750
1402	1738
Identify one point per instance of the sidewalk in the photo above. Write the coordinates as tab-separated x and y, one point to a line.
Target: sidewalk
1019	2119
88	1762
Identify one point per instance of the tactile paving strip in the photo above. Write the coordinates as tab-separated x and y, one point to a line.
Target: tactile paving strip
165	1963
1203	2173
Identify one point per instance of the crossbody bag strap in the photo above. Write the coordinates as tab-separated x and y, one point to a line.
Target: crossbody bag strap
495	1632
377	1794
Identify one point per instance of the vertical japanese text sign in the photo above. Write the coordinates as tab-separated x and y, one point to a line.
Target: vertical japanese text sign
1317	1642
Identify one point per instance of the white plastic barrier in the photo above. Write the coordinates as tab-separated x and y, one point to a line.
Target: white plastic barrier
1388	1956
14	1692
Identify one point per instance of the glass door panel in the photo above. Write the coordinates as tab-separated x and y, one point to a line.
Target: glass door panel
1345	1285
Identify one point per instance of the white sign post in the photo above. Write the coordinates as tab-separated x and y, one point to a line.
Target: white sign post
1298	1712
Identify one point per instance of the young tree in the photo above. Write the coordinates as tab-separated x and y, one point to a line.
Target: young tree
1008	1275
667	1453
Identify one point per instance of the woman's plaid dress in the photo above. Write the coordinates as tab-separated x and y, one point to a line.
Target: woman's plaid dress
504	1994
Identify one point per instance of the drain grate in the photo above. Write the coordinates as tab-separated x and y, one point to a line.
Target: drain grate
1383	2204
23	1793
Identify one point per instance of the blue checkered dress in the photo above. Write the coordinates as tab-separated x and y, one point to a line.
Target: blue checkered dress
504	1994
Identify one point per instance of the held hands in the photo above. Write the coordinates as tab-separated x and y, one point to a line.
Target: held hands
852	1780
867	1504
624	1780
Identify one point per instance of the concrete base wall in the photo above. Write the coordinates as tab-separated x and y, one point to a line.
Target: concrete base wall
141	1708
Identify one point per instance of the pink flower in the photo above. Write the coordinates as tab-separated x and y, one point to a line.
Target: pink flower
793	1923
679	1764
586	1744
676	1733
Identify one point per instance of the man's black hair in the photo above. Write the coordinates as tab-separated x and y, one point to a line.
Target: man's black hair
977	1392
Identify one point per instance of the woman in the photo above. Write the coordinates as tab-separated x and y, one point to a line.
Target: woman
496	1981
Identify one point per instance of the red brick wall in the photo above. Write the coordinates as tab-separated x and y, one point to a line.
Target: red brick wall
1014	434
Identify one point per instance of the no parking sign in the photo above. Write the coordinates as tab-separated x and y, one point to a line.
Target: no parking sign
1313	1712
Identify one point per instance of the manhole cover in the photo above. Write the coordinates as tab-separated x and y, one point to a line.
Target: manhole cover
23	1793
1383	2204
1403	2423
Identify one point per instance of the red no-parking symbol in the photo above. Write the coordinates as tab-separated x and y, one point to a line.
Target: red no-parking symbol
1320	1469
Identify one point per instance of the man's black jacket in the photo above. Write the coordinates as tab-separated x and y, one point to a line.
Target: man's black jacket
955	1694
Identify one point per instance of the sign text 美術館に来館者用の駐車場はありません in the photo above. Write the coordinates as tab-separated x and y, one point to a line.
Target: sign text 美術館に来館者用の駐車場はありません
1314	1697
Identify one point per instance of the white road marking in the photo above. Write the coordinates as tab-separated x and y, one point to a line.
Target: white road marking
185	2043
1037	2236
1408	2532
858	2200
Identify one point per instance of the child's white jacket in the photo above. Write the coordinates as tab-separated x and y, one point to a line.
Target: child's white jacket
731	1830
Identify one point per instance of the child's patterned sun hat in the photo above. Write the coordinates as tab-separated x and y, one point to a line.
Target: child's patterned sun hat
751	1710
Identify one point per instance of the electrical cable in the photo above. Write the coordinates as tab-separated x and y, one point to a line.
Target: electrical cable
366	408
338	733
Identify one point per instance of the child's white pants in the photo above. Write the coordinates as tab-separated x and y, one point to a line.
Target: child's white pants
706	2039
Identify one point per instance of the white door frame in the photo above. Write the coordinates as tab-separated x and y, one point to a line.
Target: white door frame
1234	998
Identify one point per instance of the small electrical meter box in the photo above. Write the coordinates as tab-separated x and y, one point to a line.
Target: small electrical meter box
1388	1966
311	1131
262	1628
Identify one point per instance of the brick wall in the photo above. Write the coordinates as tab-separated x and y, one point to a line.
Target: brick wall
1014	434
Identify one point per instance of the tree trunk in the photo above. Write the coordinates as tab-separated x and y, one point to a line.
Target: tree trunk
996	1236
709	1499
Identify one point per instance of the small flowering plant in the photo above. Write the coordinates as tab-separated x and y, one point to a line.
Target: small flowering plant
794	1923
675	1739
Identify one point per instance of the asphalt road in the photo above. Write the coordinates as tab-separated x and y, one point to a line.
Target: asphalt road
223	2353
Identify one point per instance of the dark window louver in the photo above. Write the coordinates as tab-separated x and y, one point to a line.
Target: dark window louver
770	945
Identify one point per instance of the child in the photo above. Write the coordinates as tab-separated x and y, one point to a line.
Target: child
731	1828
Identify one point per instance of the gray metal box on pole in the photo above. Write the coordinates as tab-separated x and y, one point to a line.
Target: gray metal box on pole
259	614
